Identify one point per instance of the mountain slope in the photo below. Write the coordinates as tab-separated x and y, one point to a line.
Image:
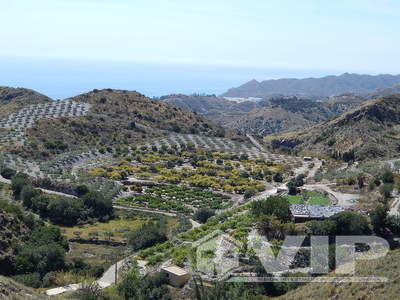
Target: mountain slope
116	118
212	107
387	267
269	120
12	99
133	106
368	131
12	290
326	86
287	114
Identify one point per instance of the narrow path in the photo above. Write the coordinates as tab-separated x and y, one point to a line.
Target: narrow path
255	142
145	210
314	170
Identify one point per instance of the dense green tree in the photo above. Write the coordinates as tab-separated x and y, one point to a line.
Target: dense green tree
275	206
7	173
147	235
387	176
351	223
41	259
43	251
278	177
151	286
81	190
27	193
39	205
249	193
378	218
324	227
18	182
100	206
386	190
203	214
274	228
393	224
65	211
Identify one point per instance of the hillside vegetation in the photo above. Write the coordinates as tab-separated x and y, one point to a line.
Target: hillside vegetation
215	108
12	290
369	131
116	118
285	114
133	106
13	99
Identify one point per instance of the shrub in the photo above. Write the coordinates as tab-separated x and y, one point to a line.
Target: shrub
203	214
393	223
387	176
378	218
81	190
146	236
278	177
7	173
27	193
18	182
386	190
29	279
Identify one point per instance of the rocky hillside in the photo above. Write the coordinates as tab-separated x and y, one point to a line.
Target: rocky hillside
11	231
12	290
215	108
115	118
132	106
368	131
287	114
326	86
12	99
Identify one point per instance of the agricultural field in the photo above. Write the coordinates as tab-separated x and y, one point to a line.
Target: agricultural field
194	196
95	254
114	230
177	198
309	197
225	172
238	222
190	141
23	119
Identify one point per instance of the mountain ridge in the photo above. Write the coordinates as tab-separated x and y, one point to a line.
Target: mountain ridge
371	130
324	86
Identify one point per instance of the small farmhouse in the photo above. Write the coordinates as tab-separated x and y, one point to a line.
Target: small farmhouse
177	276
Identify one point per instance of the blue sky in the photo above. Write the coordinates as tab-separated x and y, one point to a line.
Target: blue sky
62	47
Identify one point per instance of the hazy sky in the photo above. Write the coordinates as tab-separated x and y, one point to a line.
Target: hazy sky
235	40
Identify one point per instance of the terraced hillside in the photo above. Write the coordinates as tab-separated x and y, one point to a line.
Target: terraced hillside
18	122
13	99
284	114
369	131
217	109
133	106
94	120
